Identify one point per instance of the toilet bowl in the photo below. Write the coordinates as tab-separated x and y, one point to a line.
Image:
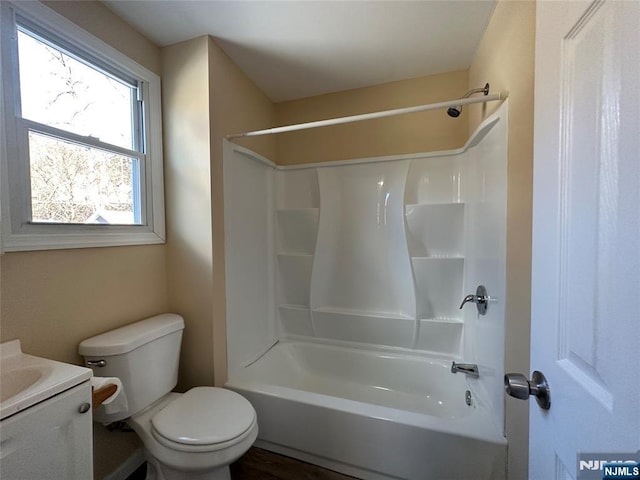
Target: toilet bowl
189	436
195	435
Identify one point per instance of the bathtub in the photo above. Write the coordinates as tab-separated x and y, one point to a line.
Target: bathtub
372	414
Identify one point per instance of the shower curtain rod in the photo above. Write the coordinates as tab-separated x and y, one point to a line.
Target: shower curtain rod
370	116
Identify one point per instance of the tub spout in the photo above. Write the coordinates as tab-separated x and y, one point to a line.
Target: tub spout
468	368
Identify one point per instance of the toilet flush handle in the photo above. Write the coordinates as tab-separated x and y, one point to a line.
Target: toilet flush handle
96	363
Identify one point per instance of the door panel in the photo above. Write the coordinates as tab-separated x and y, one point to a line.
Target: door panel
586	233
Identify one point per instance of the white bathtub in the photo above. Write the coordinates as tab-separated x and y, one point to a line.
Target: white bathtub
371	414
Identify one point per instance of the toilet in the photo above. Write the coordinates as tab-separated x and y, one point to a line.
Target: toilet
190	436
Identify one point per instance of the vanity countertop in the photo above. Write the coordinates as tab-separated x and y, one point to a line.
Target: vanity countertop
26	380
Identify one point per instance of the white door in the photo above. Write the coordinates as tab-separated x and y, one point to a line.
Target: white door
586	235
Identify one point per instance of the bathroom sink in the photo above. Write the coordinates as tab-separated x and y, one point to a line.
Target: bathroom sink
12	382
26	380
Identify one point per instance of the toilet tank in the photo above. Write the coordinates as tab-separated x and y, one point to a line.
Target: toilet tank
144	355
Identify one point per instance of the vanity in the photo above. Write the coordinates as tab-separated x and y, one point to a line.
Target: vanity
45	417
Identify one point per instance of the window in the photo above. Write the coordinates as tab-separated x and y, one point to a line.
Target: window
82	161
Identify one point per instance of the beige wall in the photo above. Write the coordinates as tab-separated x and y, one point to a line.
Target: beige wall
205	96
98	20
237	105
505	58
187	151
51	300
416	132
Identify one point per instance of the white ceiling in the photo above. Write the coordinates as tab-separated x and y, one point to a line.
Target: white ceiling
296	49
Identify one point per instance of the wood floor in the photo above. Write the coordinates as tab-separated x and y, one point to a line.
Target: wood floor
258	464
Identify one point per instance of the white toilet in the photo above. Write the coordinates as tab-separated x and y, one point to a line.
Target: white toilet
190	436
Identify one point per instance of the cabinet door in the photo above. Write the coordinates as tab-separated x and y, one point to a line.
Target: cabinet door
49	441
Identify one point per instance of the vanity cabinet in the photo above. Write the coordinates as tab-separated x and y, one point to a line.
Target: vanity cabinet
50	440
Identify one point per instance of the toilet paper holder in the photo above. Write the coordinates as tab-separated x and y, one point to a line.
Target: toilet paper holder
99	395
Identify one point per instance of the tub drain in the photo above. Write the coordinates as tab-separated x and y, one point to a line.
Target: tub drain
467	397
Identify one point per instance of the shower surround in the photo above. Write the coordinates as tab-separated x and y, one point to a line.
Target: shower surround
344	281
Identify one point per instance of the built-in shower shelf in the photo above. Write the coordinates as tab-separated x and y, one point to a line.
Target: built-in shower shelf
291	306
376	328
438	257
295	254
446	320
309	210
432	205
362	313
440	334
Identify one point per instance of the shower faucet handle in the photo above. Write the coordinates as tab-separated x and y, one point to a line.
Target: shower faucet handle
468	298
481	299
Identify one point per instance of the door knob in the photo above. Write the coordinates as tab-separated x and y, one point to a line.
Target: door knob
517	385
481	299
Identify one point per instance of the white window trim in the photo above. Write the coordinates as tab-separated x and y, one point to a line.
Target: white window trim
19	235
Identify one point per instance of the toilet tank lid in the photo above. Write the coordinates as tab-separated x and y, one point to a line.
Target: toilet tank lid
130	337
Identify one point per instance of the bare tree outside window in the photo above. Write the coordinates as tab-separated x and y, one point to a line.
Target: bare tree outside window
72	182
76	184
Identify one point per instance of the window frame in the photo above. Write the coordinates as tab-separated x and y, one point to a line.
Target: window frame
18	233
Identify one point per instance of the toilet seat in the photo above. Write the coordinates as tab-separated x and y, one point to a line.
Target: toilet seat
204	419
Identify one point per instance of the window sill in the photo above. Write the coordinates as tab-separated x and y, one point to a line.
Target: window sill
30	242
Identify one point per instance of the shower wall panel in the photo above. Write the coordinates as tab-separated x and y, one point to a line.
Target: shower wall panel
362	282
249	256
485	259
373	251
435	222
